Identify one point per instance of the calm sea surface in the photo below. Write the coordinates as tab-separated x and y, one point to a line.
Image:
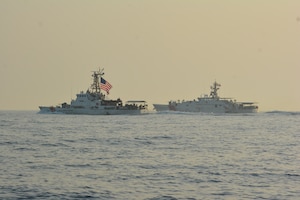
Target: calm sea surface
155	156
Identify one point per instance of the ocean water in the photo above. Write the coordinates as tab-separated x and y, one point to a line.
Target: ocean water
165	156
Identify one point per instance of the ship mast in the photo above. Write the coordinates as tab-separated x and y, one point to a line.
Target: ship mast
214	90
95	86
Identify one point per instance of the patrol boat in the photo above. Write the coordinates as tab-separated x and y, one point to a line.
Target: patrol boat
94	102
209	104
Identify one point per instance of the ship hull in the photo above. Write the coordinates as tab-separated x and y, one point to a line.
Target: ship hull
207	107
90	111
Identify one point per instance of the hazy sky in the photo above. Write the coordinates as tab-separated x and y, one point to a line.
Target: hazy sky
155	50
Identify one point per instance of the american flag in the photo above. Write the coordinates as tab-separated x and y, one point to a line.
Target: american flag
104	85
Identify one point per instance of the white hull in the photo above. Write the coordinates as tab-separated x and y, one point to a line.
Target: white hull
218	107
213	106
91	111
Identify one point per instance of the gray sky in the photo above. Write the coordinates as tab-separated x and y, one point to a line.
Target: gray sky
151	50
